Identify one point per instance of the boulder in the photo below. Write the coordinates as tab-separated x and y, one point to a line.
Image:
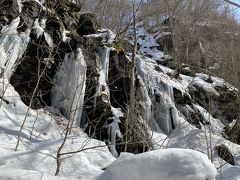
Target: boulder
87	24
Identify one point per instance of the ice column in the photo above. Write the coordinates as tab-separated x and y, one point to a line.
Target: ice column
69	90
102	88
12	47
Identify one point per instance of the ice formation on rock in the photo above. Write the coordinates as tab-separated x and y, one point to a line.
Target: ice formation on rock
159	94
102	89
69	90
12	47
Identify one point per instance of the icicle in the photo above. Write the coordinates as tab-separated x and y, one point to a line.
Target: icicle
145	108
69	90
12	46
38	29
48	39
164	114
102	88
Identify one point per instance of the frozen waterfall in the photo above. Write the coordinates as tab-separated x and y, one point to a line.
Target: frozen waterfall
69	90
157	97
12	47
102	88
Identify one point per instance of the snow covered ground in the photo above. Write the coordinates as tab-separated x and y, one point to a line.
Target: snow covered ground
167	164
42	135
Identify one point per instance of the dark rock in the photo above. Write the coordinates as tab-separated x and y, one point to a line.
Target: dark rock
25	79
181	98
225	154
186	70
200	96
209	80
227	104
54	27
119	80
167	62
37	47
31	9
60	6
9	10
71	46
97	118
192	115
23	25
234	132
87	24
158	69
165	43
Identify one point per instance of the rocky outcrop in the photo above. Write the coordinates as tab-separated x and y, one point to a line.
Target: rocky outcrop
234	132
87	24
9	10
165	43
45	51
58	33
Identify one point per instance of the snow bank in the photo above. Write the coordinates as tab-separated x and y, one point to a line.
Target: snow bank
167	164
229	173
41	137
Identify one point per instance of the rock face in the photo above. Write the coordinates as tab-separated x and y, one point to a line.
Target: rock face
8	11
234	132
98	77
87	24
224	153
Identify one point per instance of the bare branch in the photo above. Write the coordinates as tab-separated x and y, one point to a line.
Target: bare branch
232	3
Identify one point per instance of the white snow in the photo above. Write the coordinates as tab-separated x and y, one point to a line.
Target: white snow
37	29
44	129
200	82
19	3
147	44
229	173
107	36
167	164
69	90
215	124
41	136
204	140
65	38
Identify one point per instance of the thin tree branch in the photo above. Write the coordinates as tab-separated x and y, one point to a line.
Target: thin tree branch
232	3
